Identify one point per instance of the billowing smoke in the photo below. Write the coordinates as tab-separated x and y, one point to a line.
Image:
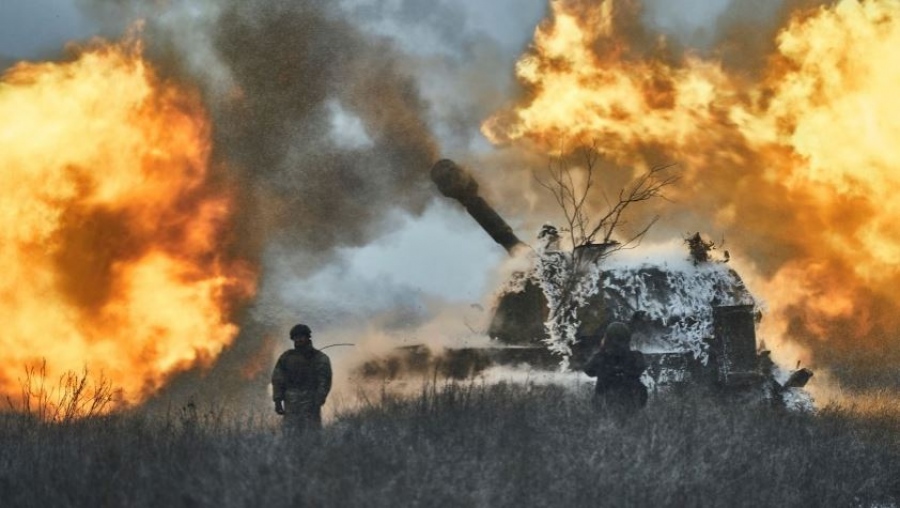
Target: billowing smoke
323	126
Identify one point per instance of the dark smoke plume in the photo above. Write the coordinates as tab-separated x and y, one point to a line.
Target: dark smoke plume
276	77
288	63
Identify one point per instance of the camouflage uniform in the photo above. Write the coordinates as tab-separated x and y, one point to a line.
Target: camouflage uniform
618	371
302	380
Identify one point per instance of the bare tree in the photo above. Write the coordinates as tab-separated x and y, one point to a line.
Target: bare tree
572	198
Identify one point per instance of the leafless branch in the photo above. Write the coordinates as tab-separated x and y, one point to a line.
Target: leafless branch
647	186
572	200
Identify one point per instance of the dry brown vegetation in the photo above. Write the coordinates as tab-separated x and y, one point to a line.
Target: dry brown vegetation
75	395
460	445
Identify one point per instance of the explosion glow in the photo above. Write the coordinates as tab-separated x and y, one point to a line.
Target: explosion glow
799	160
111	228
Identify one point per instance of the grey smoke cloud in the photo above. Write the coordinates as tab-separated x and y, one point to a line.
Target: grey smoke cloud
288	64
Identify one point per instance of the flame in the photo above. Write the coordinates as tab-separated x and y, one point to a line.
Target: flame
796	161
112	227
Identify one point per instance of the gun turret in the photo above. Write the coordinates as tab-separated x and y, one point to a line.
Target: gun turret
455	182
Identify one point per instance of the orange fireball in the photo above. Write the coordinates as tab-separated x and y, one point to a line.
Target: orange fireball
794	165
111	226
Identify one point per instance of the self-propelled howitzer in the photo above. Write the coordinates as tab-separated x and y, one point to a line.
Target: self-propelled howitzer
694	319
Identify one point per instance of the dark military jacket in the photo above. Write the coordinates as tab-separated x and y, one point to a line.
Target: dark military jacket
307	375
616	368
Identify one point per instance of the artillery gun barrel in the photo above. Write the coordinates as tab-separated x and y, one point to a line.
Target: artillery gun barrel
456	183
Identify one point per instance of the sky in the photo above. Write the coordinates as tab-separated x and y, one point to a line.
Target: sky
35	28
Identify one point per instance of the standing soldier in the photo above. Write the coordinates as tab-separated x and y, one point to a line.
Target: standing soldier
301	382
618	371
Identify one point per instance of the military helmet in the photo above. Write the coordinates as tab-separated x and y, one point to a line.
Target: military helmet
618	335
300	330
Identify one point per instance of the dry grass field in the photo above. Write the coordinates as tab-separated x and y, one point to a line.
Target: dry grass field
466	444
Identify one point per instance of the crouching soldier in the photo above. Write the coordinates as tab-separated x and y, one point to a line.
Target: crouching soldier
301	382
618	371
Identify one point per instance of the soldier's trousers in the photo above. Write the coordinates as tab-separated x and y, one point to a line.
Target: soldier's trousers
301	413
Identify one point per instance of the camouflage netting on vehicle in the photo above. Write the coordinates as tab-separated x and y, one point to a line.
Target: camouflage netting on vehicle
668	300
670	304
570	291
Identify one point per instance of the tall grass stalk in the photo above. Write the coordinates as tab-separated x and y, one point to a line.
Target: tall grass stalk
75	395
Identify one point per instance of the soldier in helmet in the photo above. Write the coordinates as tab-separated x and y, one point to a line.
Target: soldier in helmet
618	371
301	382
